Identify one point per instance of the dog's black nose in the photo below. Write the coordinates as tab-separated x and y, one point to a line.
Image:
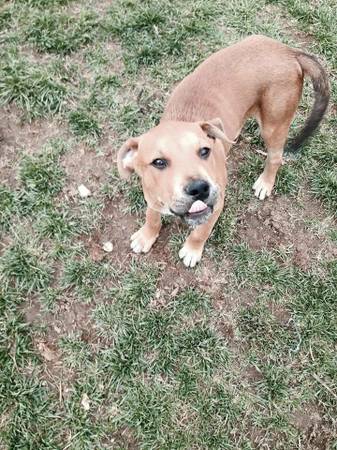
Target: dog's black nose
199	189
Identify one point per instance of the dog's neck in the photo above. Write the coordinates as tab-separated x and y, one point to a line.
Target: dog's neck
200	112
189	111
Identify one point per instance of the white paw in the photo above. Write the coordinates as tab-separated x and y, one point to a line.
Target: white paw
190	256
262	188
141	241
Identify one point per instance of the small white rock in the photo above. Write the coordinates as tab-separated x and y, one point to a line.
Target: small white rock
85	402
107	247
84	191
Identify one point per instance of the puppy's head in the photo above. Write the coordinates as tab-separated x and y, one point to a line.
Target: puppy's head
181	166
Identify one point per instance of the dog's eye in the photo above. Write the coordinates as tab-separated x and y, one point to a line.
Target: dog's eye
204	152
159	163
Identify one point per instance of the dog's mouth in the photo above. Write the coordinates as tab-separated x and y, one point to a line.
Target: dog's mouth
198	209
198	213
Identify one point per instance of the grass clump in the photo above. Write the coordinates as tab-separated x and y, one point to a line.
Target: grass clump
138	287
62	34
324	186
43	3
150	32
103	93
85	276
83	125
55	224
42	174
42	178
31	88
7	207
5	18
22	267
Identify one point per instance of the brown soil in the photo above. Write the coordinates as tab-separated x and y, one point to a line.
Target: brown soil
281	223
71	317
84	166
289	25
17	136
310	421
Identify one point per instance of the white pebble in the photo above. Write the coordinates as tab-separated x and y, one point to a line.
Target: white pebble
85	402
107	247
84	191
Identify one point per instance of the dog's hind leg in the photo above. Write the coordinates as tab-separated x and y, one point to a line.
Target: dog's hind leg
275	139
275	116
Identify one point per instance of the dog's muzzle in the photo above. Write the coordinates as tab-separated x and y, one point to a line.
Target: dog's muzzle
193	208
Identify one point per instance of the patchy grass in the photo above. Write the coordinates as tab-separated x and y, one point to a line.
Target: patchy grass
60	33
83	125
45	3
110	350
7	205
32	88
20	266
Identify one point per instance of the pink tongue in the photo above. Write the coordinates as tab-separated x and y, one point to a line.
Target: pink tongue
197	206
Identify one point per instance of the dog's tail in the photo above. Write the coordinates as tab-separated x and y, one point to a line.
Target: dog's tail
312	68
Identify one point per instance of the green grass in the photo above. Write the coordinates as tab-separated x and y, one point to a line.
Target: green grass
41	174
83	125
21	267
44	3
7	205
110	350
149	33
41	179
51	223
318	20
31	88
5	18
60	33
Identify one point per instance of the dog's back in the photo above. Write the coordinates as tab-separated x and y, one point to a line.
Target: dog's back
229	82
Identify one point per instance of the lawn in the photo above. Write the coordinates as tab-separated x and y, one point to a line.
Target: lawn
110	350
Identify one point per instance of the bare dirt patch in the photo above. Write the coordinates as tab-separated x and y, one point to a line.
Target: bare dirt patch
281	314
306	418
252	375
288	24
36	57
100	7
70	317
318	433
17	135
112	55
281	223
84	166
115	226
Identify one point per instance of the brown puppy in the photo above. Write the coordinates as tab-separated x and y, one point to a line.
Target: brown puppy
182	161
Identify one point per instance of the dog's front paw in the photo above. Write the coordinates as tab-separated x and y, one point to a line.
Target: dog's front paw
142	240
190	256
262	188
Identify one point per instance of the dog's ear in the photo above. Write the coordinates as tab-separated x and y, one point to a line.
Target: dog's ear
214	128
126	158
